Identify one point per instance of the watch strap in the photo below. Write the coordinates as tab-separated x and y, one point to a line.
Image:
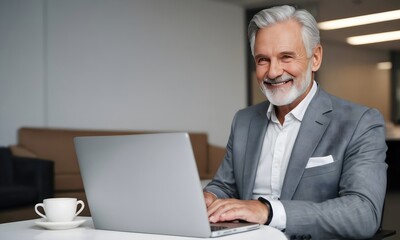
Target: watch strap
271	213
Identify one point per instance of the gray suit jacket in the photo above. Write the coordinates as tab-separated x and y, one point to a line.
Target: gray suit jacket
343	199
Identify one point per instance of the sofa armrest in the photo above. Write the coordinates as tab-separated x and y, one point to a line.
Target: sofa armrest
37	173
21	151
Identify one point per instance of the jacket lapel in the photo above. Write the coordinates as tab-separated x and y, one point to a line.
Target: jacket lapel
312	128
257	129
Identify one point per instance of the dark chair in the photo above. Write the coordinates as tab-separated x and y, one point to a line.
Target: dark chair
382	234
24	181
392	183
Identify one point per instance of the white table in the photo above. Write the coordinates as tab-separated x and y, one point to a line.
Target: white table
26	230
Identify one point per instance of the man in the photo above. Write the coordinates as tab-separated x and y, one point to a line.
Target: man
304	162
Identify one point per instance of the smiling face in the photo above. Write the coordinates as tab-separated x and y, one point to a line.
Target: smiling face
283	70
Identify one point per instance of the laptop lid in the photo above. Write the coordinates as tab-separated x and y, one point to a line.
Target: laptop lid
144	183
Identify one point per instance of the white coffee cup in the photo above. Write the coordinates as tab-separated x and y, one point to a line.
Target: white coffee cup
60	209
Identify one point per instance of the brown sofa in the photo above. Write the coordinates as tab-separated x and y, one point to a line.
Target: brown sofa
57	145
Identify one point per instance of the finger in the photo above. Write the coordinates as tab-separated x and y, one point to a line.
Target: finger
250	211
228	215
217	205
219	208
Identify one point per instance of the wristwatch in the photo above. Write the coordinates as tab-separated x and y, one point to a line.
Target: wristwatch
271	213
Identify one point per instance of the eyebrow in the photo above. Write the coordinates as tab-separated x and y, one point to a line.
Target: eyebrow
260	56
287	53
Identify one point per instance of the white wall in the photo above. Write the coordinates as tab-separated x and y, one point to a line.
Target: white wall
21	66
122	64
351	73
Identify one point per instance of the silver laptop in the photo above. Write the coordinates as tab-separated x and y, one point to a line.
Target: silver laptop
146	183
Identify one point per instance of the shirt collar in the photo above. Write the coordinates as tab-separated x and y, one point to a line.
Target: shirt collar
299	111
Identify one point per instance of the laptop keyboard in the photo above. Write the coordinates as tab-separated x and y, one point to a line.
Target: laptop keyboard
217	228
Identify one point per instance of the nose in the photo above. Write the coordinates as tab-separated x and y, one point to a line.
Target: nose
275	69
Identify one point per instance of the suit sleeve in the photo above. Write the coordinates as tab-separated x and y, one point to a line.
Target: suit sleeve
357	211
223	184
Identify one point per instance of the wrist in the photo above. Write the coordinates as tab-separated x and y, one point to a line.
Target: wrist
211	194
270	212
209	198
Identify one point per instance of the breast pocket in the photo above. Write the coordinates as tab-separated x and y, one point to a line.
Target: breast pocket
319	183
321	170
319	161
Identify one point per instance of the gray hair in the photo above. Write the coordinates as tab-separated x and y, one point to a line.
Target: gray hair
266	17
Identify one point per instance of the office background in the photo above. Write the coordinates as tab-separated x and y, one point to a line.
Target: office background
147	65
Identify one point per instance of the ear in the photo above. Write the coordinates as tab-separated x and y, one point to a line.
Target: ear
317	57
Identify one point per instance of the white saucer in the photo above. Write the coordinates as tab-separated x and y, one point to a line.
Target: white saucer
59	225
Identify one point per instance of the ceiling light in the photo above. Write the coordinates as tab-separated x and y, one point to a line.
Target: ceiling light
360	20
374	38
384	65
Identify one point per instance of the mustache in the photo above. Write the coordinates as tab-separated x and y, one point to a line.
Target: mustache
283	78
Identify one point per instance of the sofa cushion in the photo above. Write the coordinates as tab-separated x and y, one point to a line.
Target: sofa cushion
16	196
6	167
32	182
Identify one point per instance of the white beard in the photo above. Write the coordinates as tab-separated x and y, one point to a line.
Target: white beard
281	96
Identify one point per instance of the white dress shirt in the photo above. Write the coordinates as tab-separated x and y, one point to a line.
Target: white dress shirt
277	148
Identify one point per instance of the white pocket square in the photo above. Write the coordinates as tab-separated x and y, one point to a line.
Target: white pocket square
319	161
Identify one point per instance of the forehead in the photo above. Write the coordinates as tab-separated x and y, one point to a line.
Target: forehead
279	37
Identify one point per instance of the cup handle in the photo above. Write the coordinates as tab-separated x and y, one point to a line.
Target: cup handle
82	207
37	210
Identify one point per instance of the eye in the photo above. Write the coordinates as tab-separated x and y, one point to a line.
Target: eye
287	58
262	60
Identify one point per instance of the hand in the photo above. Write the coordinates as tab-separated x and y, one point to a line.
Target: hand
209	198
221	210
